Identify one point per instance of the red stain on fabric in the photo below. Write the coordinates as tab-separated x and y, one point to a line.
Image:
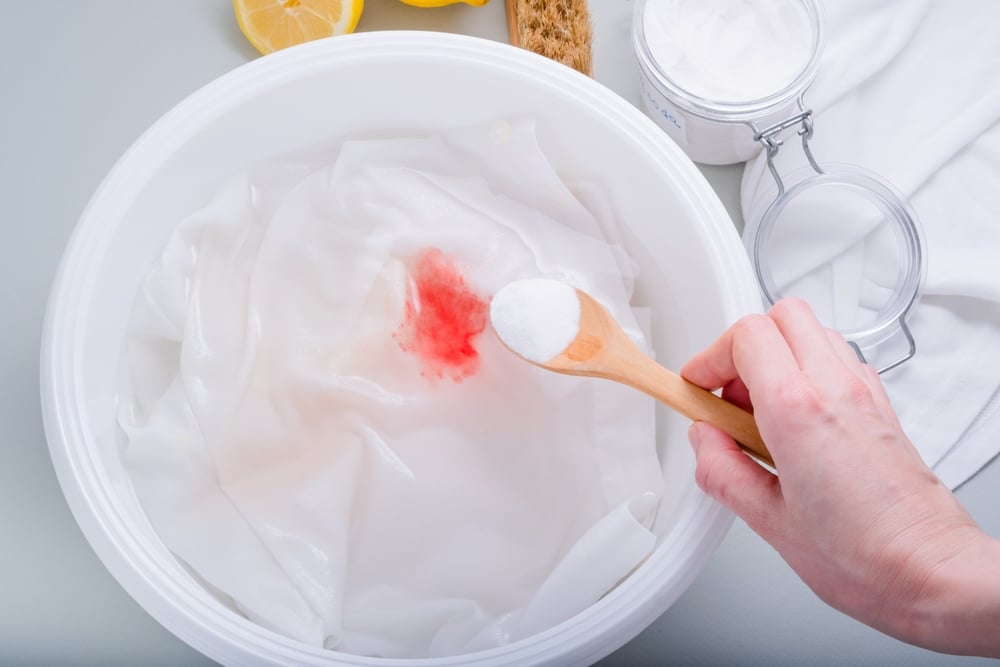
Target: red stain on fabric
443	317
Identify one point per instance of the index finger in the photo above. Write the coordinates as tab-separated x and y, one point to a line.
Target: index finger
753	349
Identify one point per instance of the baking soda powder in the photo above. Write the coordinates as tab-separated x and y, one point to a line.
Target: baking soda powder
707	67
729	50
536	318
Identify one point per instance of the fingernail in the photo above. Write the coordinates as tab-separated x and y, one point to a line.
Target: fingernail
694	435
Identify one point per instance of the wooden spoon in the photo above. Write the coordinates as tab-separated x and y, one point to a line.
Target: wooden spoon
602	349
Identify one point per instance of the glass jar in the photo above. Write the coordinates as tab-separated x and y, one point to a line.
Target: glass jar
846	241
713	131
837	236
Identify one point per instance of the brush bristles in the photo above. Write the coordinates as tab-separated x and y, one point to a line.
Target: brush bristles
556	29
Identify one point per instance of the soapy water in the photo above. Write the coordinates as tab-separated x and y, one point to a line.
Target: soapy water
318	424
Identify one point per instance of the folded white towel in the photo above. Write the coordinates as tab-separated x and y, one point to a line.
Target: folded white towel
909	90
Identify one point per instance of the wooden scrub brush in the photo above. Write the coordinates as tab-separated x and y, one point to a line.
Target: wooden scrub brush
556	29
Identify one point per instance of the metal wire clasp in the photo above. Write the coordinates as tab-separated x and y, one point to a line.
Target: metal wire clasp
770	139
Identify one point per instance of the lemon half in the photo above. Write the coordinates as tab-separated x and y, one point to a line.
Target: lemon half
275	24
442	3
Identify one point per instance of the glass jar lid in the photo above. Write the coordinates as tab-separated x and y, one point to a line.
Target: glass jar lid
849	244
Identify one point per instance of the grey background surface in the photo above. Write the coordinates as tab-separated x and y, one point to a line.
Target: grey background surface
79	81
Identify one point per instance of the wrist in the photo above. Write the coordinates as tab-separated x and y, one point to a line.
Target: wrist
958	610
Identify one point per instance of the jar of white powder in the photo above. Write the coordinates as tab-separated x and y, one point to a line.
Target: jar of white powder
726	79
710	67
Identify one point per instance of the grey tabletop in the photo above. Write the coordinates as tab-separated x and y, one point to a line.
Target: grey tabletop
79	81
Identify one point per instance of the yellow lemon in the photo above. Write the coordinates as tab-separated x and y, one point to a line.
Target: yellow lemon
275	24
442	3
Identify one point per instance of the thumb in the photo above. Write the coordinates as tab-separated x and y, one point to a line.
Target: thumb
727	474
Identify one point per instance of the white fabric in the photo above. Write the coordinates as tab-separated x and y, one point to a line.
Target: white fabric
910	90
303	464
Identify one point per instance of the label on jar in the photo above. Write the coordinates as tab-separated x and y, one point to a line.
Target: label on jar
666	115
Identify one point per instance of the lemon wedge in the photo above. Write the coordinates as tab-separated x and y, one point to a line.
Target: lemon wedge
275	24
442	3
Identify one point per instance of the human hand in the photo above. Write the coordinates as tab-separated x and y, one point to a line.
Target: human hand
853	509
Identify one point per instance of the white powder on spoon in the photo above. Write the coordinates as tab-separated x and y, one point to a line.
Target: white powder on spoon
537	318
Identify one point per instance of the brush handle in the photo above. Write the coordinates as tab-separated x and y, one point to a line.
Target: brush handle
513	27
693	402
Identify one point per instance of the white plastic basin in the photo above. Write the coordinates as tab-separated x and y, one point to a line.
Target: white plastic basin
695	276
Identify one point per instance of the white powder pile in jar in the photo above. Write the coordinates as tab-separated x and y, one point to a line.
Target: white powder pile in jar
729	50
536	318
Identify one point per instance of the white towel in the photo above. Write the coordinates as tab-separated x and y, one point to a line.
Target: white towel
910	90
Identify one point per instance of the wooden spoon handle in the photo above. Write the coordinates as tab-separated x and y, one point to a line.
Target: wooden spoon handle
602	349
697	404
